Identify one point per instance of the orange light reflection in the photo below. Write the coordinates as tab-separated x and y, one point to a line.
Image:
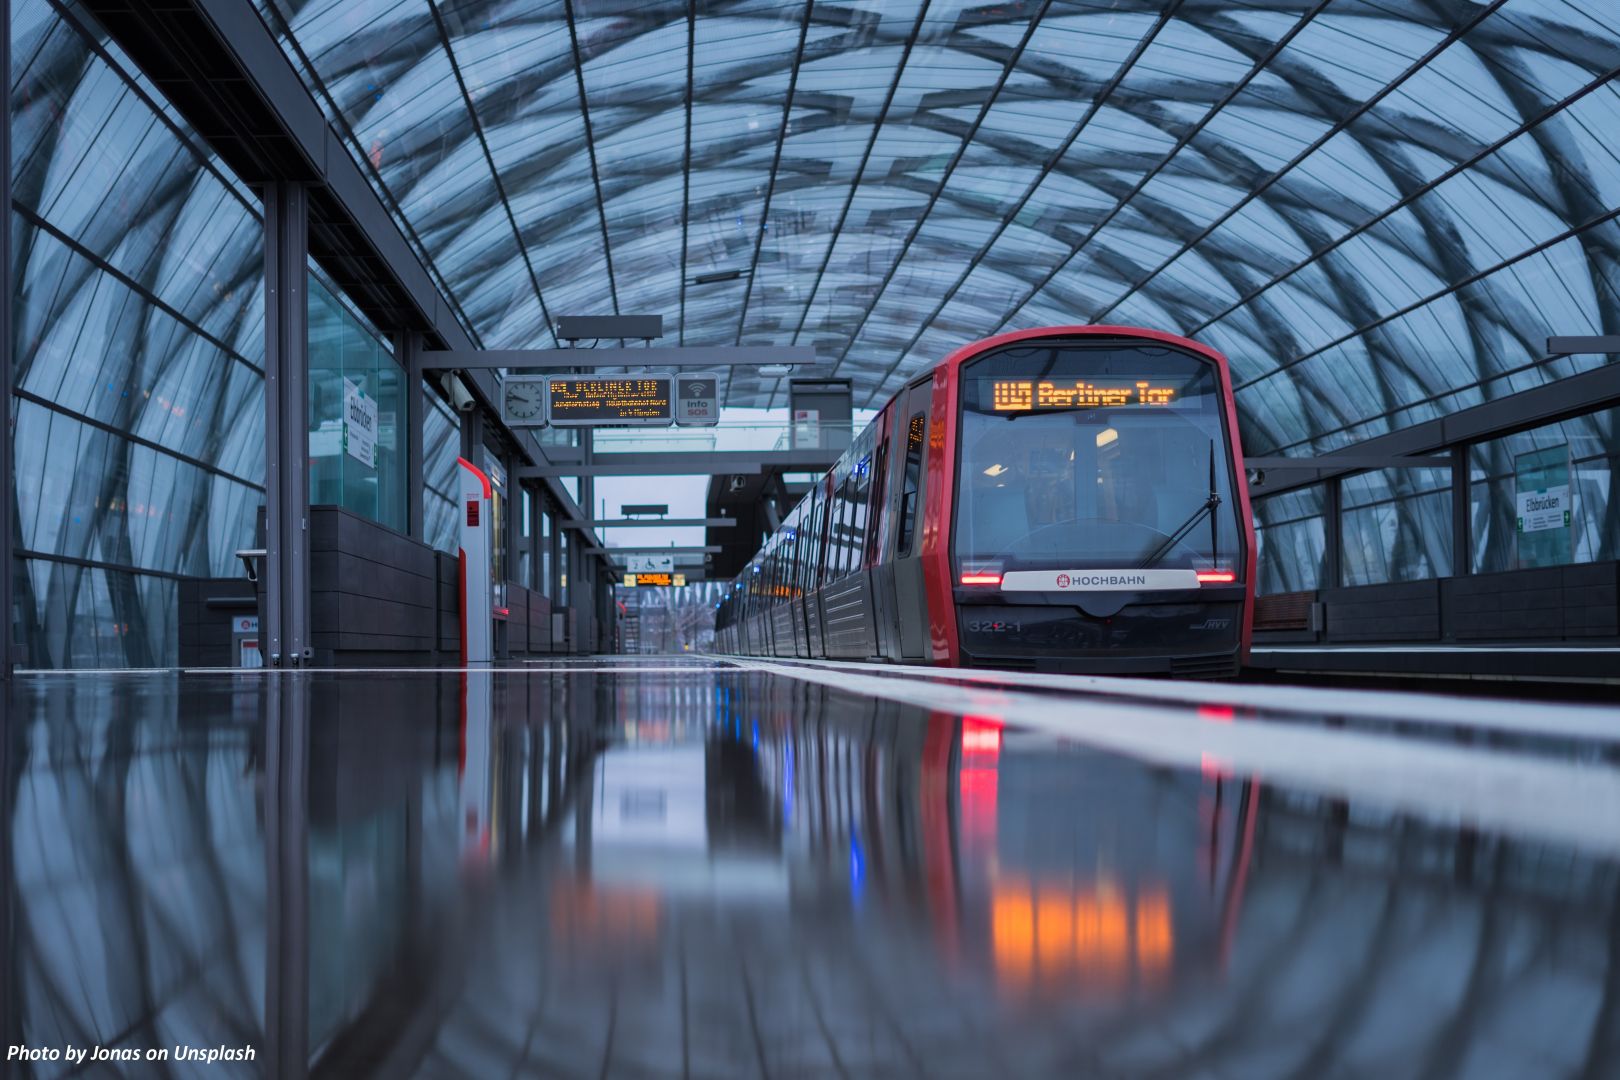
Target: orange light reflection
1088	938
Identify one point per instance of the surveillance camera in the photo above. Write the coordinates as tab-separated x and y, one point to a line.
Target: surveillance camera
461	397
738	483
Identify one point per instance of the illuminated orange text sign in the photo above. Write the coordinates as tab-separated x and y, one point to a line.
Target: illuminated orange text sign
633	580
583	401
1025	395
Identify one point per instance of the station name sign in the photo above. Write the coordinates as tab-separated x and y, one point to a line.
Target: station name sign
594	401
1032	395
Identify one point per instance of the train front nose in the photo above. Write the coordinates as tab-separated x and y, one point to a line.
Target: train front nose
1138	636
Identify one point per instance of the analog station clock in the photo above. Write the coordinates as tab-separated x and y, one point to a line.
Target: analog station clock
523	403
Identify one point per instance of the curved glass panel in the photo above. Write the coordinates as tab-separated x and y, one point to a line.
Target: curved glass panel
1357	201
137	353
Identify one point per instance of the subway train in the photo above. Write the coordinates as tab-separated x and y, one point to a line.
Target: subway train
1066	499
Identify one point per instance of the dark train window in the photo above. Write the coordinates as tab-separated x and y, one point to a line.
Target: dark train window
916	431
874	530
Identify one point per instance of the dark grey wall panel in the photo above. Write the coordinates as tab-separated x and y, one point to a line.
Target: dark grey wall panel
1404	611
1551	603
207	607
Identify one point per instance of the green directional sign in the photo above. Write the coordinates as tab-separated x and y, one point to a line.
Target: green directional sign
1543	502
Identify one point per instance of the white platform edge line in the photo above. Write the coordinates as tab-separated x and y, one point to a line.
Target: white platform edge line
1500	791
1523	717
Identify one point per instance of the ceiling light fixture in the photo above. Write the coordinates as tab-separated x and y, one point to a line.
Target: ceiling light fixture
718	276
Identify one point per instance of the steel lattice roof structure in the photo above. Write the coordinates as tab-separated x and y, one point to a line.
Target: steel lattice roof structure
1379	209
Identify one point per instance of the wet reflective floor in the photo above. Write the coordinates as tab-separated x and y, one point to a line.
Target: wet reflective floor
685	868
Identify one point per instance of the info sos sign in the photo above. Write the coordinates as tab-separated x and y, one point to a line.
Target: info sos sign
697	399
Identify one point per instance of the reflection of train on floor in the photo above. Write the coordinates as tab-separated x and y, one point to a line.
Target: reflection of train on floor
1069	498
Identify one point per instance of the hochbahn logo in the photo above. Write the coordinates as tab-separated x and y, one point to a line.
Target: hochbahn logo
1092	581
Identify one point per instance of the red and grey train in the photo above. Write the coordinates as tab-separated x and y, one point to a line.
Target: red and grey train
1069	498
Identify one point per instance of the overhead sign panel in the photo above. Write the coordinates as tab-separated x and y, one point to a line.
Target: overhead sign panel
650	564
697	399
597	401
660	578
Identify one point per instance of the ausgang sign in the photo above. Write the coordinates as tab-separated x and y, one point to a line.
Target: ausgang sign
600	401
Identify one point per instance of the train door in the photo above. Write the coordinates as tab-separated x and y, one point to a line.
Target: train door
815	611
782	591
803	546
886	621
910	598
847	604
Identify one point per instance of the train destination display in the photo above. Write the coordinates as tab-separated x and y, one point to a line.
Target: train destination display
1026	395
595	401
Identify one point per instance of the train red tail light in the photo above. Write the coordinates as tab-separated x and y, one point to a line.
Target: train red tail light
981	577
1216	577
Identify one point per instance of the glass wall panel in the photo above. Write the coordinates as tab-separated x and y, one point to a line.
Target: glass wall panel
1591	448
441	445
545	585
1397	526
93	616
357	459
137	354
1288	529
525	559
564	542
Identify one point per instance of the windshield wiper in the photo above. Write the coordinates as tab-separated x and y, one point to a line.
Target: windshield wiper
1210	505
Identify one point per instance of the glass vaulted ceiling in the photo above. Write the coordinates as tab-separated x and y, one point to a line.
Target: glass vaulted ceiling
1379	209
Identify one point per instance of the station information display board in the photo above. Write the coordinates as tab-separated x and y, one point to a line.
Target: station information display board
601	401
631	581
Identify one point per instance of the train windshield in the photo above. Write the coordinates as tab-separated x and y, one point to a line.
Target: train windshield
1094	456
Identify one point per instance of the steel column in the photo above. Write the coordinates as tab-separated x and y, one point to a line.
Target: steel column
286	424
8	475
1332	534
472	436
408	351
1462	532
514	510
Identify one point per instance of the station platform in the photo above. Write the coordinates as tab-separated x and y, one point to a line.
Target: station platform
713	867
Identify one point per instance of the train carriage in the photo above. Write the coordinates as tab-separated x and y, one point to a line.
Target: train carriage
1067	499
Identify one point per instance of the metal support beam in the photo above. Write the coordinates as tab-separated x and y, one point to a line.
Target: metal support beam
1462	532
1566	346
692	463
1347	462
8	470
286	424
1332	534
1562	399
408	351
678	549
649	523
513	511
586	360
472	437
